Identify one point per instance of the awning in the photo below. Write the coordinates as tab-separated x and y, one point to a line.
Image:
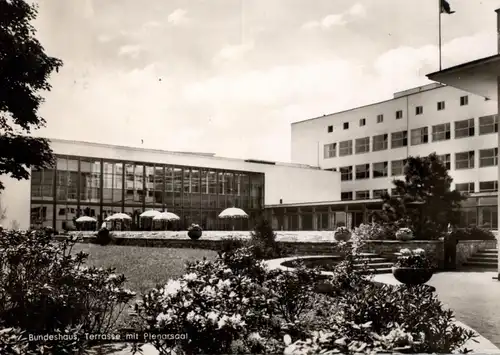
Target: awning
477	77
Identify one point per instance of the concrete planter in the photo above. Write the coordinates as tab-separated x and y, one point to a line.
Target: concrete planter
412	276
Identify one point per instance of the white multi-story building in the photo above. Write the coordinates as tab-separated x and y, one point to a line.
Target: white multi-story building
368	145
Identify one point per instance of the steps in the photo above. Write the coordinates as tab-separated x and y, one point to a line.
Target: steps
375	264
486	259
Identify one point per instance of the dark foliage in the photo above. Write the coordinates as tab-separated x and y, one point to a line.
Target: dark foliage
424	201
104	237
263	241
473	233
46	289
24	73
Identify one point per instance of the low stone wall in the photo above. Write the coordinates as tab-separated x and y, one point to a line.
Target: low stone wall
467	248
388	248
293	243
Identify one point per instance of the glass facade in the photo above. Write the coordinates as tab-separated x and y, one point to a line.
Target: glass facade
80	186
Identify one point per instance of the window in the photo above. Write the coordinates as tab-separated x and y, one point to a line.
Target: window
330	150
488	124
464	100
345	148
330	129
363	195
398	167
345	196
345	173
446	160
464	160
380	142
465	187
440	105
399	114
379	193
488	157
419	110
362	122
362	145
380	118
399	139
380	169
346	125
441	132
464	128
394	192
488	186
419	136
362	171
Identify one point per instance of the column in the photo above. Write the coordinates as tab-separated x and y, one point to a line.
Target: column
498	111
299	213
315	220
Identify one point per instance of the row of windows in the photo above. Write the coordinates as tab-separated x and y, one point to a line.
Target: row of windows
419	110
466	187
440	132
463	160
120	182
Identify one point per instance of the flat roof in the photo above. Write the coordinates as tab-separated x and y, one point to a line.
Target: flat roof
478	77
325	203
206	155
396	96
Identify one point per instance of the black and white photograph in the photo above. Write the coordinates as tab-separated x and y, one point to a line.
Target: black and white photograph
296	177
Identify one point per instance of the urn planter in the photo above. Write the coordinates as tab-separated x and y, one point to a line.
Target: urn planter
194	234
412	276
342	236
404	235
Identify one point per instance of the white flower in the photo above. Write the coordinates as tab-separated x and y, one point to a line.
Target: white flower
208	291
213	317
254	337
165	317
187	303
190	316
236	320
111	277
222	322
171	288
232	294
405	251
287	339
245	300
190	277
227	271
419	251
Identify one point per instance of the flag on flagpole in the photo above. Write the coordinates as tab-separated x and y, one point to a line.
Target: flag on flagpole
445	8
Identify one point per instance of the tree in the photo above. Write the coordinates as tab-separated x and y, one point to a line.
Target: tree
424	200
24	73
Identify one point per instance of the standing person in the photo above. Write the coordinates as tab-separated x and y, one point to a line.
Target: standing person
450	248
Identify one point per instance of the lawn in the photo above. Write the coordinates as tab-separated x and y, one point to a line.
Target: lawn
144	267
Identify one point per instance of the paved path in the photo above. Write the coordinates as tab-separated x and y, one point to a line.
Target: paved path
475	299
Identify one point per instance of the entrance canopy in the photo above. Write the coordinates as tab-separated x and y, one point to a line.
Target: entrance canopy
477	77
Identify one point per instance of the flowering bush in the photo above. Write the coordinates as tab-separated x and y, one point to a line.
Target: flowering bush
231	302
235	305
342	230
404	234
373	231
416	259
44	289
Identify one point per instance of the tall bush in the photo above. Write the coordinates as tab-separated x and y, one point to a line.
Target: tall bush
45	289
424	199
263	241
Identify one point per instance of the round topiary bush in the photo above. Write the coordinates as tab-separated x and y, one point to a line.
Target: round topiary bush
104	237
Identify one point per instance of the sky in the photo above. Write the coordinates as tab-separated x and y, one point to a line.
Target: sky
230	76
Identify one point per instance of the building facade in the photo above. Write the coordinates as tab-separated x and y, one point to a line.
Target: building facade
98	180
368	145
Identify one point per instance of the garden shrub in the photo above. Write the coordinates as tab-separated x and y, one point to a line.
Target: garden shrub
235	305
263	240
230	245
374	231
44	289
473	233
104	237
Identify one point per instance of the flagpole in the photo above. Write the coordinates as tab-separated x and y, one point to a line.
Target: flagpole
440	11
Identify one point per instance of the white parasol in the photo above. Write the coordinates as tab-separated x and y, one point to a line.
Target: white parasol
84	219
149	214
118	216
166	216
233	212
